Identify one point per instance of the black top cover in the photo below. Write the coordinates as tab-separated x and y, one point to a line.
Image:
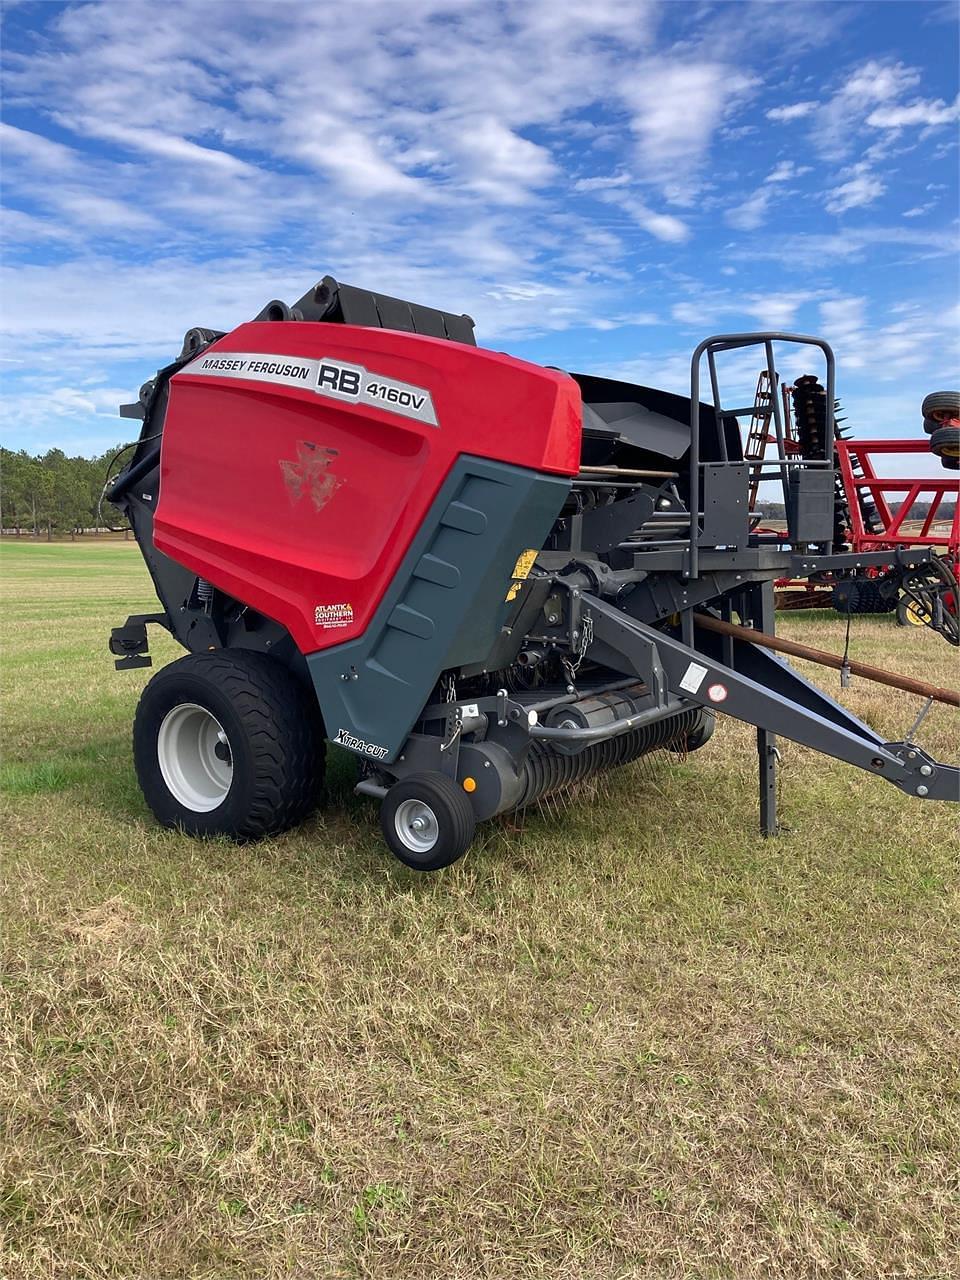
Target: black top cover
331	301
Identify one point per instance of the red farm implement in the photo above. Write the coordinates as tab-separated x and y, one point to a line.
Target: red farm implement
873	512
911	511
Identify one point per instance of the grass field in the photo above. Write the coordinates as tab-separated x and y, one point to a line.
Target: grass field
628	1038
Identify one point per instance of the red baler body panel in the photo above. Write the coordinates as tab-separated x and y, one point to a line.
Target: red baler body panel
302	506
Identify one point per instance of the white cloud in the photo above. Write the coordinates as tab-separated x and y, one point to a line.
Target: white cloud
927	114
111	323
314	85
811	249
602	184
677	106
794	111
773	310
751	212
156	143
861	188
102	212
17	227
354	162
770	310
875	82
502	164
892	349
880	81
663	226
524	291
842	320
786	171
43	153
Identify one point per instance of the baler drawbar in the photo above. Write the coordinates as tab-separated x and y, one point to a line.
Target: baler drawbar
485	579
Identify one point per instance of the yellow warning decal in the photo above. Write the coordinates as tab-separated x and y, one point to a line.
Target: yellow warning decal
521	570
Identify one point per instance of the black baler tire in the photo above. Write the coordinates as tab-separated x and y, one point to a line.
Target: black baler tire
941	402
945	442
930	425
948	463
456	820
275	738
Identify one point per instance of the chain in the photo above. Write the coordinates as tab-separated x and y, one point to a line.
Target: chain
583	644
449	687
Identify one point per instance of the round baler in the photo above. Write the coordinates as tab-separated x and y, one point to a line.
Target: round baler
485	579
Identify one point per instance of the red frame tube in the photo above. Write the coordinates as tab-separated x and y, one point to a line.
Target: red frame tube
893	515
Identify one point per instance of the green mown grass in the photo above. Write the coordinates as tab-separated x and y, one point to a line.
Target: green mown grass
625	1037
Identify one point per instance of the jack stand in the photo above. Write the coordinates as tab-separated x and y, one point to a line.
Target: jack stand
767	753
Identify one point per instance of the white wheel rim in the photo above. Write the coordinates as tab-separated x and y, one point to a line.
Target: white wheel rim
195	757
416	826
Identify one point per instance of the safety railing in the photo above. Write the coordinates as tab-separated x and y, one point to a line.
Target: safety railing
711	347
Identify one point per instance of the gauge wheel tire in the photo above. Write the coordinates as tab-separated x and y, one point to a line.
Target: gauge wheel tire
941	405
427	821
945	442
228	744
930	425
948	463
702	731
910	614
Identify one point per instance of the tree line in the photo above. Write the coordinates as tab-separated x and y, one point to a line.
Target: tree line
49	493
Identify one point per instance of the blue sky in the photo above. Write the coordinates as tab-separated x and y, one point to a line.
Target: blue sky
599	184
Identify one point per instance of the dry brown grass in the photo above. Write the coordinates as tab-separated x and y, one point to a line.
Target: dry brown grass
631	1039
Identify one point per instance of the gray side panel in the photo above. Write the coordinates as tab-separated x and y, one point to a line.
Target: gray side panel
445	607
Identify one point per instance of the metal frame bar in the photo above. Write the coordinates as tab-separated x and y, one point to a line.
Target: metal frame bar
773	697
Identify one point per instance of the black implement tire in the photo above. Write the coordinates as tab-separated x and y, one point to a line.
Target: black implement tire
702	731
909	614
447	815
228	743
930	425
941	404
945	442
950	464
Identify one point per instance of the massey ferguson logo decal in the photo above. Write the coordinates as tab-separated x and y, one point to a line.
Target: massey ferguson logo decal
345	739
254	366
310	474
326	377
353	382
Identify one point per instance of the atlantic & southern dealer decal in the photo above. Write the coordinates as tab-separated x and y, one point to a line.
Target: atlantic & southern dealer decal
326	377
333	616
